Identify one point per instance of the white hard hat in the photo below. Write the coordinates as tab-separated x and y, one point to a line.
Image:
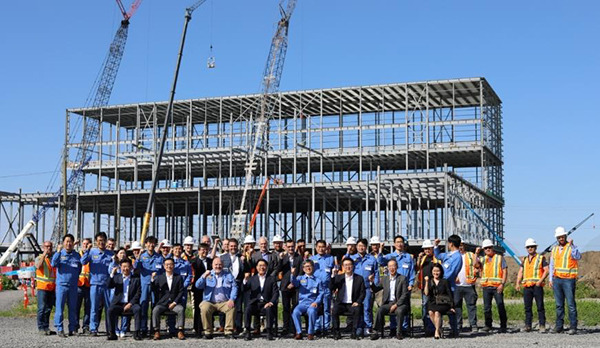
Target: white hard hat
350	241
165	243
487	243
530	242
278	239
249	240
427	244
375	240
189	240
136	245
559	231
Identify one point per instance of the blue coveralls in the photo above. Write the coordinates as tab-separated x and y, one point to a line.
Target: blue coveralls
184	269
324	265
310	290
406	267
452	263
68	267
146	265
365	266
99	261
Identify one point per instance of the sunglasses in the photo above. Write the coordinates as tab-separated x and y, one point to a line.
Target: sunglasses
487	248
530	247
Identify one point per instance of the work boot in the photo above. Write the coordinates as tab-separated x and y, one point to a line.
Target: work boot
62	334
527	329
137	336
310	337
208	337
112	337
375	336
248	336
392	333
573	331
557	329
542	328
337	335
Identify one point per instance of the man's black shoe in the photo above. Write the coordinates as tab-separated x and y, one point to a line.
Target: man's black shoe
270	337
137	336
248	336
62	334
95	333
392	333
208	337
354	336
112	337
399	336
337	335
375	336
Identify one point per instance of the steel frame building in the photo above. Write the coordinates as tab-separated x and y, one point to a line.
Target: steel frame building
373	160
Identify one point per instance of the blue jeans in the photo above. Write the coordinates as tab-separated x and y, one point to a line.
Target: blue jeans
66	294
45	303
83	298
324	322
100	299
565	289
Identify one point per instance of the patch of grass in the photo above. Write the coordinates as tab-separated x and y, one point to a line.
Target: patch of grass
20	311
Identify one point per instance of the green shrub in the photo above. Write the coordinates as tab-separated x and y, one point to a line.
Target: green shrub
7	283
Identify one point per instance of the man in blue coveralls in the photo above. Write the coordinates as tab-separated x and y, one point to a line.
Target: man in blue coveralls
406	268
68	266
183	269
99	258
149	262
365	265
452	262
324	268
310	294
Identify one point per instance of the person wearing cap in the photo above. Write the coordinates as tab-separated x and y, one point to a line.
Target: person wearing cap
451	262
532	273
136	250
83	290
425	262
564	263
351	248
146	264
493	278
465	288
405	267
324	270
165	248
365	265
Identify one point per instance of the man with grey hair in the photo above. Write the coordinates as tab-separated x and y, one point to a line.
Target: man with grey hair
264	254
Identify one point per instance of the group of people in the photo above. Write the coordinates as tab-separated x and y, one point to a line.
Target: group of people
239	284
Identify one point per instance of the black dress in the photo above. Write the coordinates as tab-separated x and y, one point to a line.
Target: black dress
442	288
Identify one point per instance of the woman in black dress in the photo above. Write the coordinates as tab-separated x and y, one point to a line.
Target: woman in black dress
440	298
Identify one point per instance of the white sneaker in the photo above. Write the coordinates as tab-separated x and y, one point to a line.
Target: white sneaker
122	334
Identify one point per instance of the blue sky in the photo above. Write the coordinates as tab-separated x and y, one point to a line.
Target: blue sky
541	57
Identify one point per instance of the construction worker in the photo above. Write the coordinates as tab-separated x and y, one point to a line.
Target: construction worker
324	266
136	251
425	262
149	262
532	273
365	265
278	244
405	268
83	290
188	249
310	294
184	269
564	262
493	278
350	247
465	288
45	277
67	264
99	260
165	248
451	262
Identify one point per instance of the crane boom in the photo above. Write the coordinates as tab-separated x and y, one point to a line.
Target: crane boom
270	85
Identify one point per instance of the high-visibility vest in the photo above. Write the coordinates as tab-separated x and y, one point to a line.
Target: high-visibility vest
532	270
470	267
84	276
492	271
420	276
564	265
45	276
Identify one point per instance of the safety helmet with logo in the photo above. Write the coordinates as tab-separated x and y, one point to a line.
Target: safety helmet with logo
136	245
165	244
427	244
189	240
487	243
350	241
530	242
375	240
559	232
249	240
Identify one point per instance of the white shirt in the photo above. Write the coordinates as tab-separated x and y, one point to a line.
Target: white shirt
169	281
262	279
126	289
235	266
204	263
393	288
462	275
348	294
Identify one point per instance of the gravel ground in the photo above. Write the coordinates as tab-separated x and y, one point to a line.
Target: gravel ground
9	298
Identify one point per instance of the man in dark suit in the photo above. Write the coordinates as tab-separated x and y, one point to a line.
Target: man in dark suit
350	290
234	263
395	299
200	265
126	298
289	298
169	290
262	298
264	254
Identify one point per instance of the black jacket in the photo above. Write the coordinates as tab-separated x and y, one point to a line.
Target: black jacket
227	266
270	291
134	293
272	260
358	288
443	288
286	268
199	269
165	296
401	292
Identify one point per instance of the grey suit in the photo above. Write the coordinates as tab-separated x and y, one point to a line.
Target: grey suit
401	300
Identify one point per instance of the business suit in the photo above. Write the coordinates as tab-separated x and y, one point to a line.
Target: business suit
166	296
227	261
199	267
289	297
342	307
272	261
259	297
119	300
401	299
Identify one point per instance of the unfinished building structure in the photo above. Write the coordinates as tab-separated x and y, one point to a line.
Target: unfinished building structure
421	159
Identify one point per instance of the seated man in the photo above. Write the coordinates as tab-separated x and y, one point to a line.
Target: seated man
262	297
310	295
126	298
169	290
395	299
350	289
220	293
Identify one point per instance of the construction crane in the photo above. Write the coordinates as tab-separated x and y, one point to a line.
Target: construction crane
268	101
168	116
103	87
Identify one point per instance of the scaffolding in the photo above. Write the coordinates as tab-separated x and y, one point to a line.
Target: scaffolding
359	161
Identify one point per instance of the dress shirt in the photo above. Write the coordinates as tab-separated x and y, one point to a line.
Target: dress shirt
169	280
204	263
235	265
262	279
126	288
393	288
348	293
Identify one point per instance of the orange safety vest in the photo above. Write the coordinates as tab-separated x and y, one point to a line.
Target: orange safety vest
492	271
45	276
470	273
420	274
532	270
564	265
84	276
